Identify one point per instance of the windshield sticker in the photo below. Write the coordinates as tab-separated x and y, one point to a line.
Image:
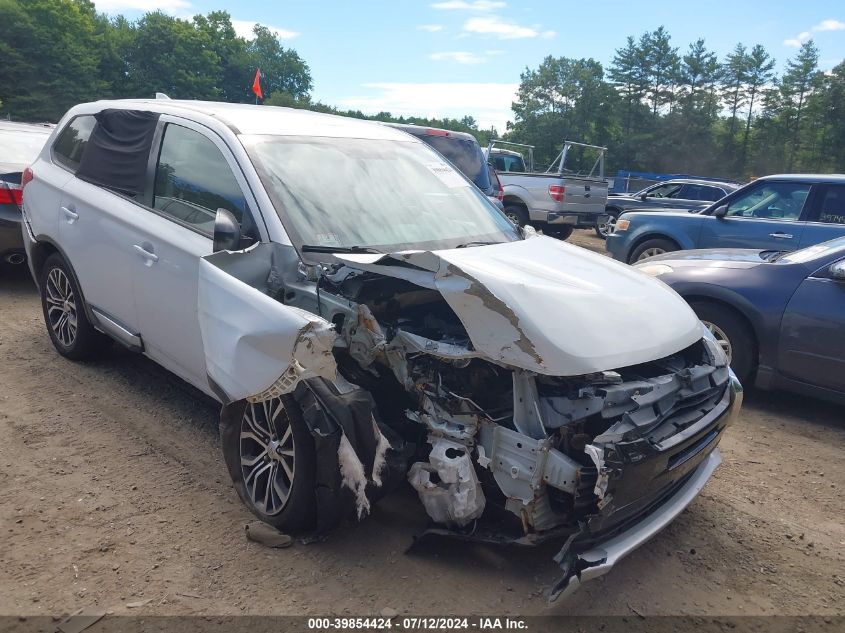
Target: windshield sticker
328	239
447	175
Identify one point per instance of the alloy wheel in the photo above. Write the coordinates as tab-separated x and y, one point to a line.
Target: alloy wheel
606	225
721	338
267	455
650	252
61	307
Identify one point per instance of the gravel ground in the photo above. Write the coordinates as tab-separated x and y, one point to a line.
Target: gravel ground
114	496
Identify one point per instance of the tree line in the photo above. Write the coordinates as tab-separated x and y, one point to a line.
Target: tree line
655	107
659	109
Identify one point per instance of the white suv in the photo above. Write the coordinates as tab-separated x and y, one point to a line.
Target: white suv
364	314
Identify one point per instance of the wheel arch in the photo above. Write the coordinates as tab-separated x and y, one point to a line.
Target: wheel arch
739	310
39	252
639	239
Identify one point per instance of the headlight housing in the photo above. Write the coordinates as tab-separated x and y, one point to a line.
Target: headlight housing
621	225
655	270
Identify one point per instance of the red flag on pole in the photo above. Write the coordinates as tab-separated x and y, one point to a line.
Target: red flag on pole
256	85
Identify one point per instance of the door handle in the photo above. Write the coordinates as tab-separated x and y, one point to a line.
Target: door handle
780	235
71	215
151	258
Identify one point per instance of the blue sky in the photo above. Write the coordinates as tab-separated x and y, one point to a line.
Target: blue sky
456	57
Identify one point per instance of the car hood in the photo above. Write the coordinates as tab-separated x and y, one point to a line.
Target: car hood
546	306
710	258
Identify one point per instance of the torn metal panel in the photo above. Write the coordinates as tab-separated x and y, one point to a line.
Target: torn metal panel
546	306
251	340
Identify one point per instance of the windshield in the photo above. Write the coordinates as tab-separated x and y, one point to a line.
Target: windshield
813	252
464	154
380	194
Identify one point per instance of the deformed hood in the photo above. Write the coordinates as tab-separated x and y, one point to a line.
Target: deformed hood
547	306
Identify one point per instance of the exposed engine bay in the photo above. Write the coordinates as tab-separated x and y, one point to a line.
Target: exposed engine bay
469	403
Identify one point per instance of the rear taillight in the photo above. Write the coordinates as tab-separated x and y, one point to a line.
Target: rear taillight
10	194
557	192
26	177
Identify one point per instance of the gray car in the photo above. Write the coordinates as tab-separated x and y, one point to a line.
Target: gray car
779	315
681	193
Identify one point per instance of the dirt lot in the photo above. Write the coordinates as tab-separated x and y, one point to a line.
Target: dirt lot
113	492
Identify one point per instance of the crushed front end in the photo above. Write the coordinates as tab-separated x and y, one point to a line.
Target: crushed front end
515	418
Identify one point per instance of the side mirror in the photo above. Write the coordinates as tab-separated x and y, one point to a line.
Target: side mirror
227	231
837	271
643	196
720	211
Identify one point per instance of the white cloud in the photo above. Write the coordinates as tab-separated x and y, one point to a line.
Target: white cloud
431	28
488	103
494	25
243	28
829	25
461	57
824	25
461	5
168	6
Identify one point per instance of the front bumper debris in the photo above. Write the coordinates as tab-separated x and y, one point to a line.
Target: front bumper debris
589	560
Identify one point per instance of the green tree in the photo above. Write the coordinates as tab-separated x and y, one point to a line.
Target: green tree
282	69
50	55
170	55
798	81
733	75
759	71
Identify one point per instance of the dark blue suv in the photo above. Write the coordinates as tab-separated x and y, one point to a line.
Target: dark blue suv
780	213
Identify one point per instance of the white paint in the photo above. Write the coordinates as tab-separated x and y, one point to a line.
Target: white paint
353	476
576	312
250	340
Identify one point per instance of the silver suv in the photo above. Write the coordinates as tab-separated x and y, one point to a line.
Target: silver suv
364	315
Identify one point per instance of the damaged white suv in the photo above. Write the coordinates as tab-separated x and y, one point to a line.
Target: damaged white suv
366	316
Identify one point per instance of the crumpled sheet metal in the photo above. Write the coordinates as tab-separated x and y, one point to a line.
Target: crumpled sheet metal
546	306
251	340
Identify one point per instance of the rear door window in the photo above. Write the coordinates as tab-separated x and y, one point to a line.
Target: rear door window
193	179
70	144
832	205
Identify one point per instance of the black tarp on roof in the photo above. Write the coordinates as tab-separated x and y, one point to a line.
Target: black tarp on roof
118	150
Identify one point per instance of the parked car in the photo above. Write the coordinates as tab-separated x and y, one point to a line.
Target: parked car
682	193
781	213
779	315
557	200
363	315
19	145
460	149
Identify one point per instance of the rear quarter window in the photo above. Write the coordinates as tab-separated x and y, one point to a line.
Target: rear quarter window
71	142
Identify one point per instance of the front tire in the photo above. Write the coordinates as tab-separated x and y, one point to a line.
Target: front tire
65	315
560	232
650	248
733	334
270	455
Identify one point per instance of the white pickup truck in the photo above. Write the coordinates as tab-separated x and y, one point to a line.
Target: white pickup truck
557	200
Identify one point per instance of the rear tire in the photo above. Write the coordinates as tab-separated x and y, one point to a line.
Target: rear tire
290	505
728	325
65	313
652	247
517	214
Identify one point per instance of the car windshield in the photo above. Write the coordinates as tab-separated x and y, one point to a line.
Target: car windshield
19	147
813	252
385	195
